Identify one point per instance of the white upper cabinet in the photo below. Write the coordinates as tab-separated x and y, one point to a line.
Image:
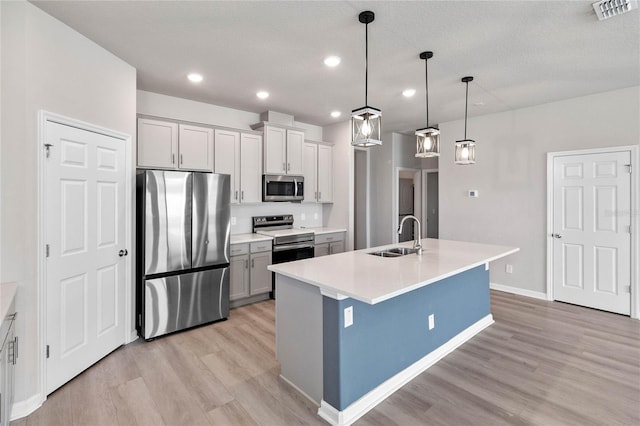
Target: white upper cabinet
251	168
295	142
325	173
157	143
282	150
240	156
310	164
169	145
195	148
227	159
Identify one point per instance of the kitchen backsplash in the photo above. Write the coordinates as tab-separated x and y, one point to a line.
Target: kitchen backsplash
304	215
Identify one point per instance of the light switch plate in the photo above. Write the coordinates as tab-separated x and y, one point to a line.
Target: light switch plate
348	316
432	321
473	193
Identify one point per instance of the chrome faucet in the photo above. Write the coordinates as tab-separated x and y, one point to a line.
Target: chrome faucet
417	245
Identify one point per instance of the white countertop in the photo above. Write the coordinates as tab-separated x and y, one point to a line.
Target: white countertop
325	230
373	279
248	238
7	294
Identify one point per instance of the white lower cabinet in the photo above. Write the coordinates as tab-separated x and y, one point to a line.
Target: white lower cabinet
331	243
249	275
8	356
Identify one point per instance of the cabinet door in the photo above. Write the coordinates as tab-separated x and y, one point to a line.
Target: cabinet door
251	168
196	148
239	277
157	143
321	250
275	142
337	247
325	173
260	275
227	159
295	143
310	163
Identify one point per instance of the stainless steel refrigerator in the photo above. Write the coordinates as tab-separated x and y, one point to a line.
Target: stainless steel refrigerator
182	264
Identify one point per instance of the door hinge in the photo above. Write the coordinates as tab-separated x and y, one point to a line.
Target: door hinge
48	146
47	250
629	166
47	351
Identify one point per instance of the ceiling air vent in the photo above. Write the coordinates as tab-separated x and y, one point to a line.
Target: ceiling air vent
606	9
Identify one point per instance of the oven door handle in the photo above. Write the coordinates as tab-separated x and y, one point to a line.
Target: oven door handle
292	247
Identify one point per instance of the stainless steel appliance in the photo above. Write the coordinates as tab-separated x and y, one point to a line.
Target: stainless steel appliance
182	265
289	244
282	188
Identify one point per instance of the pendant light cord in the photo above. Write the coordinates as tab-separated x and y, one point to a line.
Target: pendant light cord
426	81
366	64
466	102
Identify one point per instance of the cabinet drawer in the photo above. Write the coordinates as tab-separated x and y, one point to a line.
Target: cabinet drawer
238	249
261	246
329	238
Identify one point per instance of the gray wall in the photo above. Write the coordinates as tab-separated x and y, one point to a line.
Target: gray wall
46	65
511	176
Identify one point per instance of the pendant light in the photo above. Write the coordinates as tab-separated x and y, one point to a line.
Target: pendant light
465	149
427	139
365	121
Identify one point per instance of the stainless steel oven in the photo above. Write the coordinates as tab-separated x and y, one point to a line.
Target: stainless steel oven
288	244
282	188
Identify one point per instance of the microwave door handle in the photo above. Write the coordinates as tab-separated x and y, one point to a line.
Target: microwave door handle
295	187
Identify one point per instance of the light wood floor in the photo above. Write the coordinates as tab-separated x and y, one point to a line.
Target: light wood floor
542	363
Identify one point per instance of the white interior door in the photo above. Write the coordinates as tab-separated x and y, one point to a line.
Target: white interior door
85	234
591	230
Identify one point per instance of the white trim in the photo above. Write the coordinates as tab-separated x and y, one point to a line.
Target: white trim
635	218
303	393
367	402
129	325
417	178
23	408
518	291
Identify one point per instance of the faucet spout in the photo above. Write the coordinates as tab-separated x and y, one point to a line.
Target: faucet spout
418	236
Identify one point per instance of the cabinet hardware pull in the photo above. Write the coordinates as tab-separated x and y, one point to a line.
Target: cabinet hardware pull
242	195
181	162
173	158
284	167
236	196
253	264
288	166
246	264
319	195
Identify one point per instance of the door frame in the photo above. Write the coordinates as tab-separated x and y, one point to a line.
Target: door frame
41	269
425	173
635	218
417	193
367	194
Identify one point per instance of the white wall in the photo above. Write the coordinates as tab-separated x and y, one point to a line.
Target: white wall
510	173
340	213
305	215
45	65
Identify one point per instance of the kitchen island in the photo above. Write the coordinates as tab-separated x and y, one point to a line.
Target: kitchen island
352	328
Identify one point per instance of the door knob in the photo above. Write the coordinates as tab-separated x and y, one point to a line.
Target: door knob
556	235
123	253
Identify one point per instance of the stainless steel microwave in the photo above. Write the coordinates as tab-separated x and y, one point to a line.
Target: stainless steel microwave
282	188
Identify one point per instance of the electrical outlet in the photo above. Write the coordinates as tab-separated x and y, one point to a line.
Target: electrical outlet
432	321
303	216
348	316
233	220
509	268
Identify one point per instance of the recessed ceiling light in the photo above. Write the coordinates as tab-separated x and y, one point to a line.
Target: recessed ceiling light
335	114
262	95
195	77
332	61
407	93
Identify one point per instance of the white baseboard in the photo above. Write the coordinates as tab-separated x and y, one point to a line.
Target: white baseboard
23	408
360	407
518	291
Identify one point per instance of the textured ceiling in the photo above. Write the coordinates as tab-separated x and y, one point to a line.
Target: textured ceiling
521	53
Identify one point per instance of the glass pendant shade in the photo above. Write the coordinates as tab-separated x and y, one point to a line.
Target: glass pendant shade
465	152
365	127
427	142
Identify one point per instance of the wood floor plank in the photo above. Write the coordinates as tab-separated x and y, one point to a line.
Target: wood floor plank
541	363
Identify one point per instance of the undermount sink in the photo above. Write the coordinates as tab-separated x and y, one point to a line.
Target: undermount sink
394	252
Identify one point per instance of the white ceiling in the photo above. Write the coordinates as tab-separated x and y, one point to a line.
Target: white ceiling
521	53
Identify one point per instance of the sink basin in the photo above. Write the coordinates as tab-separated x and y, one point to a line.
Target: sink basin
394	252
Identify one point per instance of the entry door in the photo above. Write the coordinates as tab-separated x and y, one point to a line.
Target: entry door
592	239
85	233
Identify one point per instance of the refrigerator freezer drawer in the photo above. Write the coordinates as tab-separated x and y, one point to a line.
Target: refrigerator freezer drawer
182	301
167	221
